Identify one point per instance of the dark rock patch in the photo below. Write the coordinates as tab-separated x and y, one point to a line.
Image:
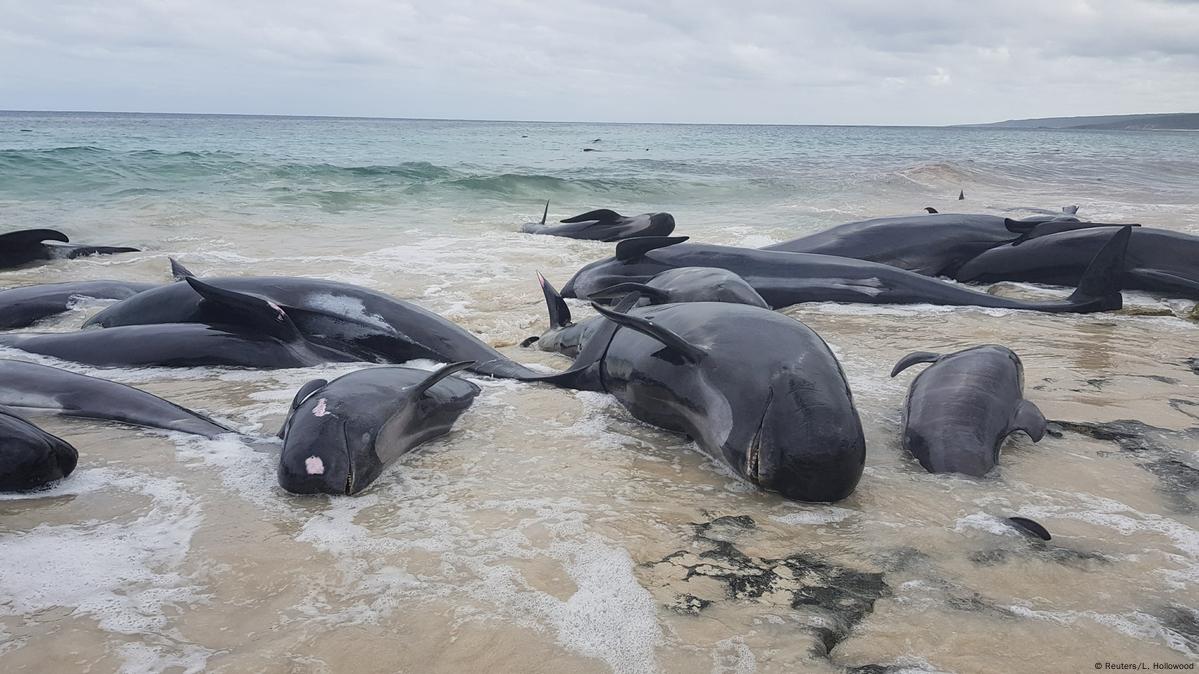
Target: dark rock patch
1164	453
839	596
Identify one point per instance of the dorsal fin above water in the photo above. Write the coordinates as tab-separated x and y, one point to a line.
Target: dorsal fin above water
439	374
671	340
261	314
29	237
546	212
601	215
178	271
556	306
631	249
1030	527
931	210
914	358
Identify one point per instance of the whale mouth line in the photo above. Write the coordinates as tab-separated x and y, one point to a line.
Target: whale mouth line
753	456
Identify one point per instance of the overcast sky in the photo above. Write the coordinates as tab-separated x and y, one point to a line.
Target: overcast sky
758	61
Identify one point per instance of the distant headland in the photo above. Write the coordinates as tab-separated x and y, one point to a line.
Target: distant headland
1170	121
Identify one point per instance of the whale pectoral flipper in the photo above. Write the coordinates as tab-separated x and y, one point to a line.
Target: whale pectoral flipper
439	374
914	358
29	237
178	271
262	314
631	249
602	214
559	312
655	295
1028	418
670	339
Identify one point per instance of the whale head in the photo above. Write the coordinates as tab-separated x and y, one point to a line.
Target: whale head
318	452
805	447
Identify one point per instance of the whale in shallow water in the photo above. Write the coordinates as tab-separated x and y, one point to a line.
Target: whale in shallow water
1158	260
363	323
604	225
30	457
961	409
23	306
26	246
340	435
685	284
252	333
933	245
29	387
755	389
784	279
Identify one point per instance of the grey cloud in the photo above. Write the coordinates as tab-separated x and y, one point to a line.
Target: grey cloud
854	61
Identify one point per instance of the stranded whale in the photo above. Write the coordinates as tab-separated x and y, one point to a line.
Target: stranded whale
755	389
784	279
340	435
30	457
25	246
25	305
604	225
32	387
961	409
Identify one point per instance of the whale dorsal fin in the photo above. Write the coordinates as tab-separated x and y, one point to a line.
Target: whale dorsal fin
559	312
307	390
303	394
584	373
546	212
246	309
178	271
1028	526
439	374
631	249
1028	418
689	352
29	237
601	215
931	210
914	358
655	295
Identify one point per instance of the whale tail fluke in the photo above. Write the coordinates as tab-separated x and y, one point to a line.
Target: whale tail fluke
1100	284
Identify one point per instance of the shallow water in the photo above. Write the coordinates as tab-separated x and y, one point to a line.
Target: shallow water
550	531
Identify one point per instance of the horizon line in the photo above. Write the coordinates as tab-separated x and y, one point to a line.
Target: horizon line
550	121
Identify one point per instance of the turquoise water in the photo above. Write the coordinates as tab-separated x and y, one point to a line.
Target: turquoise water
105	170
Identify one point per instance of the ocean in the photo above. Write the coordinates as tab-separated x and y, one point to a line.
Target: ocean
550	531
